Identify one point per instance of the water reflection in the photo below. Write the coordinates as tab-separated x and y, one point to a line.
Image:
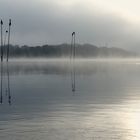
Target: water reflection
8	85
63	67
5	81
1	95
105	106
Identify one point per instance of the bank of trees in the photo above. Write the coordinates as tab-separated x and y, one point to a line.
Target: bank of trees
63	50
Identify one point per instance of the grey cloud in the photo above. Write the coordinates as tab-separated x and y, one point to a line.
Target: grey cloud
37	22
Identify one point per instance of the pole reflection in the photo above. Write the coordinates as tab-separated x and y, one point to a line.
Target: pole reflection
1	94
8	85
5	83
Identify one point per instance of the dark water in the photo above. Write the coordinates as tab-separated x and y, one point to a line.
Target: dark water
105	105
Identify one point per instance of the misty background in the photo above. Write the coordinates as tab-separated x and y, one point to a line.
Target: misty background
102	23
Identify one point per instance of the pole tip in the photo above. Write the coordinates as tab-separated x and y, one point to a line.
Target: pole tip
73	33
9	22
1	22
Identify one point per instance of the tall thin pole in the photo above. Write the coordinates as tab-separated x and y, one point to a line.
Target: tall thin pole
1	98
5	38
71	48
1	41
4	43
73	44
73	64
8	39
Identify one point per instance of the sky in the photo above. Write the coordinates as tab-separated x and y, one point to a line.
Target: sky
112	23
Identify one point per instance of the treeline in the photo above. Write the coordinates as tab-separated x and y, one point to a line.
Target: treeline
63	50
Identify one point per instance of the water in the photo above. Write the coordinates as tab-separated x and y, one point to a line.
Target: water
104	106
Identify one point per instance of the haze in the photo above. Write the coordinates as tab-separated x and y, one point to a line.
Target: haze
99	22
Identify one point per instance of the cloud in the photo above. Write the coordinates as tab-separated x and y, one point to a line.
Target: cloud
38	22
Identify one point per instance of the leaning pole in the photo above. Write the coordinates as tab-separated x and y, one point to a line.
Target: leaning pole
72	62
1	40
8	39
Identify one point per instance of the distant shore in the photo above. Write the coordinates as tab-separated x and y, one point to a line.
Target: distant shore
64	50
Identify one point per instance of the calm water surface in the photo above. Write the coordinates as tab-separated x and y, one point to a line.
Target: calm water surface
105	105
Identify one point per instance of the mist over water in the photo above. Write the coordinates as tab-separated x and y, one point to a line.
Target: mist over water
104	106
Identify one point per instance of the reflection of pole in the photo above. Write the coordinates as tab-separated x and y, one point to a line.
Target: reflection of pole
8	85
8	39
1	41
73	64
1	98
